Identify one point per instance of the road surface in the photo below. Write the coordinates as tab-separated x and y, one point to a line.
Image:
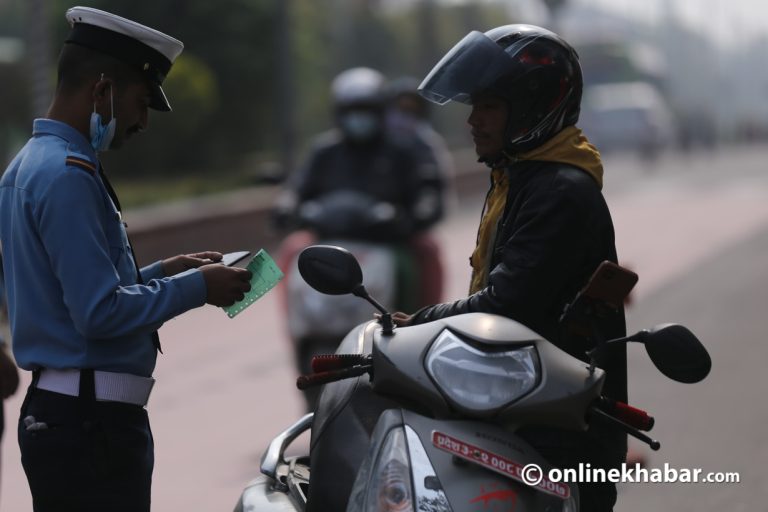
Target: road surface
695	228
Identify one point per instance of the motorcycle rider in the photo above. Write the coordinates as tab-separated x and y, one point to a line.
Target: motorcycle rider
407	120
361	156
545	225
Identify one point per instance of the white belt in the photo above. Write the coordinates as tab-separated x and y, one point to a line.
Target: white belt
109	386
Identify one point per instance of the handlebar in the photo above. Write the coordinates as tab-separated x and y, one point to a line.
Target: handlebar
330	362
331	375
632	416
624	417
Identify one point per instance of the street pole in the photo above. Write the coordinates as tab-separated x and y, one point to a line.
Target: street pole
286	88
428	35
38	56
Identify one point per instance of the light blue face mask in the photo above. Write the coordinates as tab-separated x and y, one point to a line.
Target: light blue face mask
359	125
102	134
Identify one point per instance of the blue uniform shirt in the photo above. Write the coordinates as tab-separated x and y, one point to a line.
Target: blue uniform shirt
71	283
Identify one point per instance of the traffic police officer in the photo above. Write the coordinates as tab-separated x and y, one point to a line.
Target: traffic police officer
83	317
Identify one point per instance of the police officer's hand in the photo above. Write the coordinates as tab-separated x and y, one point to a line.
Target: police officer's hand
9	375
226	285
182	262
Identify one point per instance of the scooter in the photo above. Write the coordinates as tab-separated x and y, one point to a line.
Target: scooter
376	235
453	394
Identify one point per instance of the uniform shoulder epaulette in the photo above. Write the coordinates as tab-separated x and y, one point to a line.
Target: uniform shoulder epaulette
81	162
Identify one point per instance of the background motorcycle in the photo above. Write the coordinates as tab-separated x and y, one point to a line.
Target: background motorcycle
456	390
377	234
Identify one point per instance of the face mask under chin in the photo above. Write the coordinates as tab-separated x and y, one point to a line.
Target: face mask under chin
359	126
102	134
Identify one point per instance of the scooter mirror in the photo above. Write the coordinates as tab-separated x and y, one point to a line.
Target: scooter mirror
677	353
330	270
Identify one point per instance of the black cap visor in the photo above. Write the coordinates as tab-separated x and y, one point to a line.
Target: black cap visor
153	65
471	67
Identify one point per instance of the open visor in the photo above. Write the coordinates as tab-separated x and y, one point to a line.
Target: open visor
470	67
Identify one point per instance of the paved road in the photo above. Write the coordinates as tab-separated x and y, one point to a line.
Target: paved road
694	228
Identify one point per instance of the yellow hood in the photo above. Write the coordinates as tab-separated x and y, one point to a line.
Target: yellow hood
570	146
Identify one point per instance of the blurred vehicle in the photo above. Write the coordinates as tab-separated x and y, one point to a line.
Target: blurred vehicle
364	187
697	128
628	116
317	323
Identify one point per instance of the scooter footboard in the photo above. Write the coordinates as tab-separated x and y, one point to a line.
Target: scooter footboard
455	466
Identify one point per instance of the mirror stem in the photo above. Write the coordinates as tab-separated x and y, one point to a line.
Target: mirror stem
387	326
592	354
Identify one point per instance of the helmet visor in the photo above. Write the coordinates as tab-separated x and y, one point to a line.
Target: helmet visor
470	67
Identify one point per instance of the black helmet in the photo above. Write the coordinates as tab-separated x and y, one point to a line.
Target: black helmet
534	70
403	92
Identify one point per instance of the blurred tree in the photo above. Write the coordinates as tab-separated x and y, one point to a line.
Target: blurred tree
285	87
429	52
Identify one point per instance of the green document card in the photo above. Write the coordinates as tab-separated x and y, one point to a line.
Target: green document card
266	274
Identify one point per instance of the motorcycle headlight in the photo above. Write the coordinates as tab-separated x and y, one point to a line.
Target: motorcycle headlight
480	380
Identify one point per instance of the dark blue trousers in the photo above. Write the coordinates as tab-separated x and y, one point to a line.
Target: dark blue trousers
85	455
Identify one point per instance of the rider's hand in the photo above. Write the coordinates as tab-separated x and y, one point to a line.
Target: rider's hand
182	262
401	319
226	285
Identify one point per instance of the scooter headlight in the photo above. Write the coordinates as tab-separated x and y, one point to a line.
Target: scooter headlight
481	380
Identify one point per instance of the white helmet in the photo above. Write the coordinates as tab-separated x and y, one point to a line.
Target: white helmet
358	87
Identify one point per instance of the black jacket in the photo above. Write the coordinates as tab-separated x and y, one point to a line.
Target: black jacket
555	231
385	169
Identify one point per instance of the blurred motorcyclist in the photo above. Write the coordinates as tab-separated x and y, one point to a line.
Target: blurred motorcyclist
408	121
361	157
360	154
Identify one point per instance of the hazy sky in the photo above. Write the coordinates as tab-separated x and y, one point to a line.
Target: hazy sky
729	21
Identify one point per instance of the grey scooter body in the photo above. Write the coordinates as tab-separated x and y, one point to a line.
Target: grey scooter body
451	453
565	386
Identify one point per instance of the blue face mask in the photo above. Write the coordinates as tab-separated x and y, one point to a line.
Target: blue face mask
102	134
359	125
